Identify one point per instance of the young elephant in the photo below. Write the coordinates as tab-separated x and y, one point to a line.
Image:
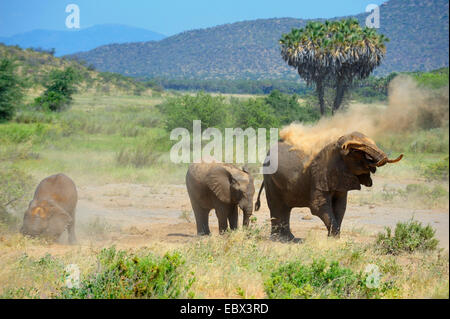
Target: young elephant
320	183
221	187
52	209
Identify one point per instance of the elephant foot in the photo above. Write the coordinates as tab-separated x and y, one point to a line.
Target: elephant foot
285	238
332	234
298	240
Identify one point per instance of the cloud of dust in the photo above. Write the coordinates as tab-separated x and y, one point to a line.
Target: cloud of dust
409	107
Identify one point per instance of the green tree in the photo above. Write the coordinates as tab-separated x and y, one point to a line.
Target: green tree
255	113
60	86
288	109
11	89
180	111
333	54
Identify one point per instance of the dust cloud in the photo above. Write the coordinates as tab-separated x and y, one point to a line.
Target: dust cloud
409	108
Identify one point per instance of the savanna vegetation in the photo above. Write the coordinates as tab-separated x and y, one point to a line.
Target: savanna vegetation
116	131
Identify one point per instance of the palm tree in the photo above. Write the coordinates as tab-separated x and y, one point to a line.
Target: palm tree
333	54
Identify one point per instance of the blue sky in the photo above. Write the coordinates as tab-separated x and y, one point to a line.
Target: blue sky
168	17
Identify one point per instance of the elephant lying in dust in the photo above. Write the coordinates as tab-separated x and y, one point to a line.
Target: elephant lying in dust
321	182
221	187
52	209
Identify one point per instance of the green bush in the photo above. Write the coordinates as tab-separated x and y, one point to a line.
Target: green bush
295	280
11	89
21	133
255	113
321	279
60	86
438	170
408	237
124	275
287	108
180	111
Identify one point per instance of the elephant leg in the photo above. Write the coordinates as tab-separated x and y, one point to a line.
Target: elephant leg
339	207
326	214
233	217
280	215
71	231
201	219
281	224
222	213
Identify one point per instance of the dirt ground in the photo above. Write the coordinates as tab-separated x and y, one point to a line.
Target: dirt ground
135	215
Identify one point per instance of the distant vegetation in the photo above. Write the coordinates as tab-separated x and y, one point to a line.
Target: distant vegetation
34	68
418	30
239	86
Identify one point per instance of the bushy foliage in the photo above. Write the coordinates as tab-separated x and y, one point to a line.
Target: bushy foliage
60	86
255	113
438	170
11	89
321	279
181	111
123	275
288	109
408	237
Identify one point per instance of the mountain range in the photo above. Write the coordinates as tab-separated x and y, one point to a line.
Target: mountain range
418	32
67	42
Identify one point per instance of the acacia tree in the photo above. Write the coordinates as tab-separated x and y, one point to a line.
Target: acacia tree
333	54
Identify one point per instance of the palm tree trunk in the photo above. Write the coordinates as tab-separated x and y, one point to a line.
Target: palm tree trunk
340	91
320	95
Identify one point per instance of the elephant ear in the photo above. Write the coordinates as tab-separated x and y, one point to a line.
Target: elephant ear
58	221
329	172
219	181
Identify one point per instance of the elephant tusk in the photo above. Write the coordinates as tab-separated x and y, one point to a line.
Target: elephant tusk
395	160
381	162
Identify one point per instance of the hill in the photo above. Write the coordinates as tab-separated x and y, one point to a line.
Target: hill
418	30
67	42
35	66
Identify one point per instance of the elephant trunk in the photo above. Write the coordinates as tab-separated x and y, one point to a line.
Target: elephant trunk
379	157
247	215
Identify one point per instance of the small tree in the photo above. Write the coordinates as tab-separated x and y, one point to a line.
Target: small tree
255	113
11	89
333	54
181	111
60	86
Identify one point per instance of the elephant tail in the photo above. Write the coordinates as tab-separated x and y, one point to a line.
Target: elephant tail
258	201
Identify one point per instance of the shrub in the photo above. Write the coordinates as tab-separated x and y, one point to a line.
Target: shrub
11	89
408	237
60	85
255	113
180	111
287	108
124	275
438	170
295	280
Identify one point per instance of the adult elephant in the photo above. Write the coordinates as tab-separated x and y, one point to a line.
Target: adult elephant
222	187
321	182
